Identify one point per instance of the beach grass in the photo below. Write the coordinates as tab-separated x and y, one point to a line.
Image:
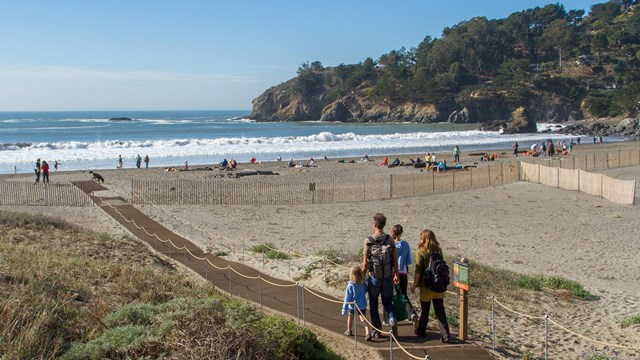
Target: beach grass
84	295
630	321
270	251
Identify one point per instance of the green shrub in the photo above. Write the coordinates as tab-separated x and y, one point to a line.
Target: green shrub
530	282
538	282
631	320
289	341
331	255
576	289
270	252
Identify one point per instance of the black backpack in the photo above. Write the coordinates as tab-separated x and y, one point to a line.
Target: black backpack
380	261
436	275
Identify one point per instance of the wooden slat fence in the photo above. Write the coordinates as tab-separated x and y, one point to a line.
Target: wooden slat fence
226	192
618	191
53	194
590	161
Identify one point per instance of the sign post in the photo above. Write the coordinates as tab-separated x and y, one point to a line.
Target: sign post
461	281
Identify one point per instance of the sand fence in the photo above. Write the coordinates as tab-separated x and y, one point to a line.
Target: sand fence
618	191
38	194
337	190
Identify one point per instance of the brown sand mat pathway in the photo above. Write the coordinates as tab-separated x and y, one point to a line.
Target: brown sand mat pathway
305	305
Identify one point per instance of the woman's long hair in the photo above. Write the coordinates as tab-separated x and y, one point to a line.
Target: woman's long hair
428	242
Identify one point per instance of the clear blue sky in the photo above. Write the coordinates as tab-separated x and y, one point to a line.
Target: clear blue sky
202	54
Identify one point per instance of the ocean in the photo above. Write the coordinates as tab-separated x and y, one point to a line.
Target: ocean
84	140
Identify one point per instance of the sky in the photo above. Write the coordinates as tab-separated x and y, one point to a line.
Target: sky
202	54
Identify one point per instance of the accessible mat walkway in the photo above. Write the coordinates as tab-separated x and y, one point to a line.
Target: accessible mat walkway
303	304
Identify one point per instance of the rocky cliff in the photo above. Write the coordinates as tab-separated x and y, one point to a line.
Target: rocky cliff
280	103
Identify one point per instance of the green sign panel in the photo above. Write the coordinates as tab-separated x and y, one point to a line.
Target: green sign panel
461	275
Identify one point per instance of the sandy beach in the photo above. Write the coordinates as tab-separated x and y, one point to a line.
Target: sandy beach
523	227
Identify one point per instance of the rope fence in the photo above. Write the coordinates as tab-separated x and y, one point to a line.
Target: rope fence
393	341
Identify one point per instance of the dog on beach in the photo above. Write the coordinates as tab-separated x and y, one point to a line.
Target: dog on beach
97	177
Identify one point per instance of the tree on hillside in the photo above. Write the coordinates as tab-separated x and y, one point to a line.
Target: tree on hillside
559	36
310	79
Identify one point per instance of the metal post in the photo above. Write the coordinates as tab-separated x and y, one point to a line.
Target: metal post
391	346
502	173
185	255
229	279
413	180
364	190
493	322
304	317
453	181
298	301
356	316
433	181
263	259
260	285
324	265
206	270
289	264
546	336
489	172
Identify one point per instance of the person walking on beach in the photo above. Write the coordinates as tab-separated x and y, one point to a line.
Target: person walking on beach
515	148
120	162
45	172
456	154
37	170
146	161
55	165
381	263
427	246
138	161
403	249
355	301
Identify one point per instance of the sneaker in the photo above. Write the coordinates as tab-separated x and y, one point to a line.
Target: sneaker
368	337
376	334
385	323
394	327
348	333
420	333
414	320
394	331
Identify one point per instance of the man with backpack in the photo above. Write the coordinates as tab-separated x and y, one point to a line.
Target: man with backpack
381	263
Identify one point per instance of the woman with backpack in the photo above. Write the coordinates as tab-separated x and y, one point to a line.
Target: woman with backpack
426	248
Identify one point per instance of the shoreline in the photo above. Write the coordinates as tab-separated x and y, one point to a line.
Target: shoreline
504	154
522	227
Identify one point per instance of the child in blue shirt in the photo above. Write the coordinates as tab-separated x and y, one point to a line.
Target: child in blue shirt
355	296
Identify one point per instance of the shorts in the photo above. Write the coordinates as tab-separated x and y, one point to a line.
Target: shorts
353	311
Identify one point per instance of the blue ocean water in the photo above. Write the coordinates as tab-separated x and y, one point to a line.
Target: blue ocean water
83	140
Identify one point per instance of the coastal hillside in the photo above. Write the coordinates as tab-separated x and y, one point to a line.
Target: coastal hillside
548	63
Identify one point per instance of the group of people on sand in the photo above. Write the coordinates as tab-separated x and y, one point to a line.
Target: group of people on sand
376	280
138	159
41	170
229	165
311	163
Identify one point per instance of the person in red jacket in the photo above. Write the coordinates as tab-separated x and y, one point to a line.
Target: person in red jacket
45	172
